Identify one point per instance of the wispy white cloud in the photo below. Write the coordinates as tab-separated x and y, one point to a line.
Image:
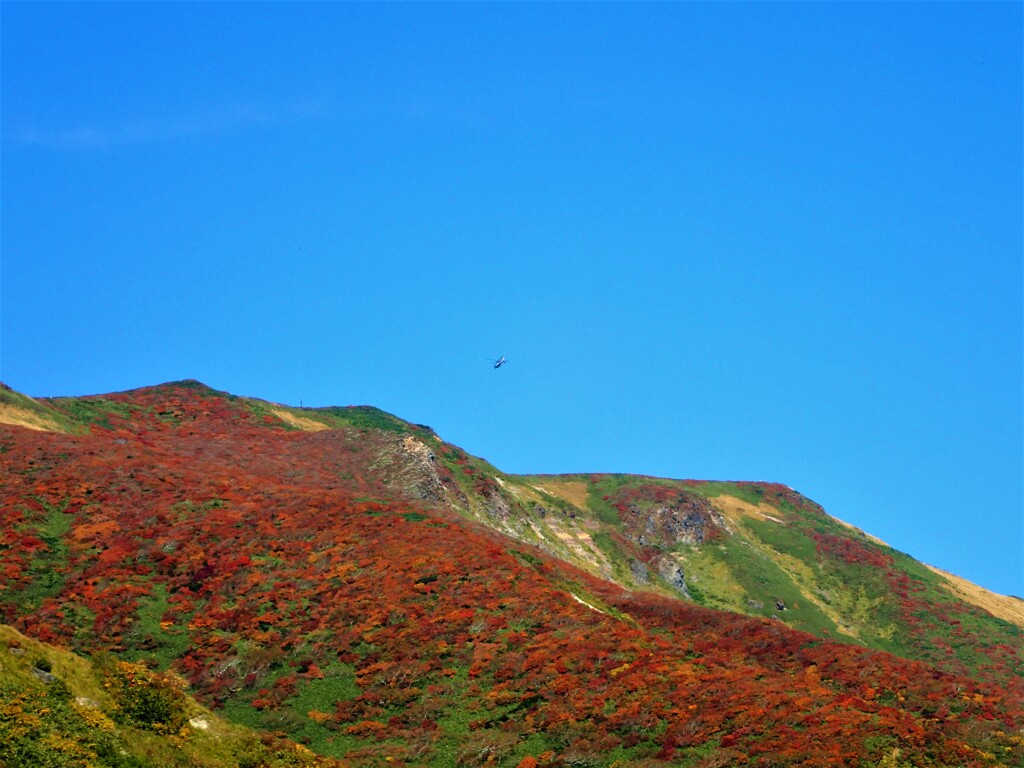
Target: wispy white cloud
151	130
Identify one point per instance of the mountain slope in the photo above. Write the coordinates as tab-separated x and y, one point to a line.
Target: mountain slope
58	709
328	573
764	550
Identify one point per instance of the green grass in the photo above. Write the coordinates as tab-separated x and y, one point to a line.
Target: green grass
70	719
262	413
158	645
82	620
94	411
765	582
859	593
337	684
599	495
319	695
362	417
619	560
785	539
48	567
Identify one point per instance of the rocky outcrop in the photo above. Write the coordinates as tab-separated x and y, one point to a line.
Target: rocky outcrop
673	575
684	519
427	485
495	504
639	571
410	467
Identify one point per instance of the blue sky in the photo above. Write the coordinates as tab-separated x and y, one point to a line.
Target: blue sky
725	241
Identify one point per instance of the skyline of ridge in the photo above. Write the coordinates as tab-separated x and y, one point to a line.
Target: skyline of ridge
12	417
720	240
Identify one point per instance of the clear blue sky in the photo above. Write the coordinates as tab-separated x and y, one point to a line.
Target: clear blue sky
727	241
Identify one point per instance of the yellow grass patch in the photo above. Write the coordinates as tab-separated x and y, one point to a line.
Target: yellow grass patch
75	671
22	417
734	509
301	422
572	491
1009	608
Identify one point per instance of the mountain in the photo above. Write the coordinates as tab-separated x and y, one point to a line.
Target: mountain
765	550
354	583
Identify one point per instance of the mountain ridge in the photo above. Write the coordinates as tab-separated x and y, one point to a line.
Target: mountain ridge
46	414
527	617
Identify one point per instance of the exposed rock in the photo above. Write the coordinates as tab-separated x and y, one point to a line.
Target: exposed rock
496	505
416	473
43	675
418	449
686	519
639	570
670	571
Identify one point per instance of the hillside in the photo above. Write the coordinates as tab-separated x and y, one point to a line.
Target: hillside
764	550
59	709
356	583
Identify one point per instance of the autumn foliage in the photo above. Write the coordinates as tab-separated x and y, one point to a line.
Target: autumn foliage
276	572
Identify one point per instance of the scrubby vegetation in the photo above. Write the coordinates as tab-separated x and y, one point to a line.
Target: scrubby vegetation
58	710
327	586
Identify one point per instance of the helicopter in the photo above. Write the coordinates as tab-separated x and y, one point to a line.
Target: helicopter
500	362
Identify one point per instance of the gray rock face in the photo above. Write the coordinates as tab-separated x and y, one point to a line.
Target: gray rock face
416	473
687	519
497	506
43	675
639	571
670	571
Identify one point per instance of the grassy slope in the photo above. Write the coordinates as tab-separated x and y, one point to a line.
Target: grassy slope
24	411
58	709
779	549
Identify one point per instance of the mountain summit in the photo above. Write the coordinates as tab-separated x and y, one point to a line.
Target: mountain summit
354	582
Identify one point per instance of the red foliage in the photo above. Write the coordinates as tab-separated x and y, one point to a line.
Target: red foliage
851	550
269	561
